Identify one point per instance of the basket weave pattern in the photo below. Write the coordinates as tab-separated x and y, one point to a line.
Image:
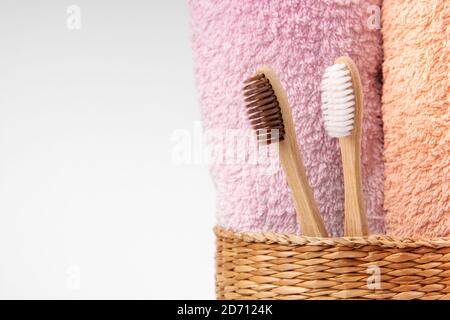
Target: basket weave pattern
276	266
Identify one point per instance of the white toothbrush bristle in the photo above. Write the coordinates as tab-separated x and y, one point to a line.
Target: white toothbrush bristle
338	101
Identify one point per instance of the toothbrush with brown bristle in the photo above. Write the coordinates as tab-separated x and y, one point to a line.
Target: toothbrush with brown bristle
342	106
269	114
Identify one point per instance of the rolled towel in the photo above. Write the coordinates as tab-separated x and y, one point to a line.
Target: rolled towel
298	39
416	117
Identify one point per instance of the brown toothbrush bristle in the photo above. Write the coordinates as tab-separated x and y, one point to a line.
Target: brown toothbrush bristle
263	110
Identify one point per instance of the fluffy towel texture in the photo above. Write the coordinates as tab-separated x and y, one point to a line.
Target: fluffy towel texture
299	39
416	117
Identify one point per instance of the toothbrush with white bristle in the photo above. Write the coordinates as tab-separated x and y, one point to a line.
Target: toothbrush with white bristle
342	104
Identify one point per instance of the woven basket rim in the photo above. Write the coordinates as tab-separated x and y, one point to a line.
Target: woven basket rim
355	242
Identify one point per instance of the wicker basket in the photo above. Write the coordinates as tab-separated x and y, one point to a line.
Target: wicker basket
277	266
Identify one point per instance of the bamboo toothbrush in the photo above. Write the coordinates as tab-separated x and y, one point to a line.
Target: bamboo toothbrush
342	105
270	115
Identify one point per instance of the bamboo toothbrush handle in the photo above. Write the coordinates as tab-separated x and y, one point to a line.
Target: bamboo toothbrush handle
355	213
308	215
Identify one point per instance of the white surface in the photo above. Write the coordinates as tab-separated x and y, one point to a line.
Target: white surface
91	203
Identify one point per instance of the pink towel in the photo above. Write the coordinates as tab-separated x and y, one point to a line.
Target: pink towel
299	39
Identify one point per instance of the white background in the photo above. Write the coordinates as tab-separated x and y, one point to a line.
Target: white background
91	203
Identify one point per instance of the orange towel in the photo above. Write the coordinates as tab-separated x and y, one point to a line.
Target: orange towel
416	117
